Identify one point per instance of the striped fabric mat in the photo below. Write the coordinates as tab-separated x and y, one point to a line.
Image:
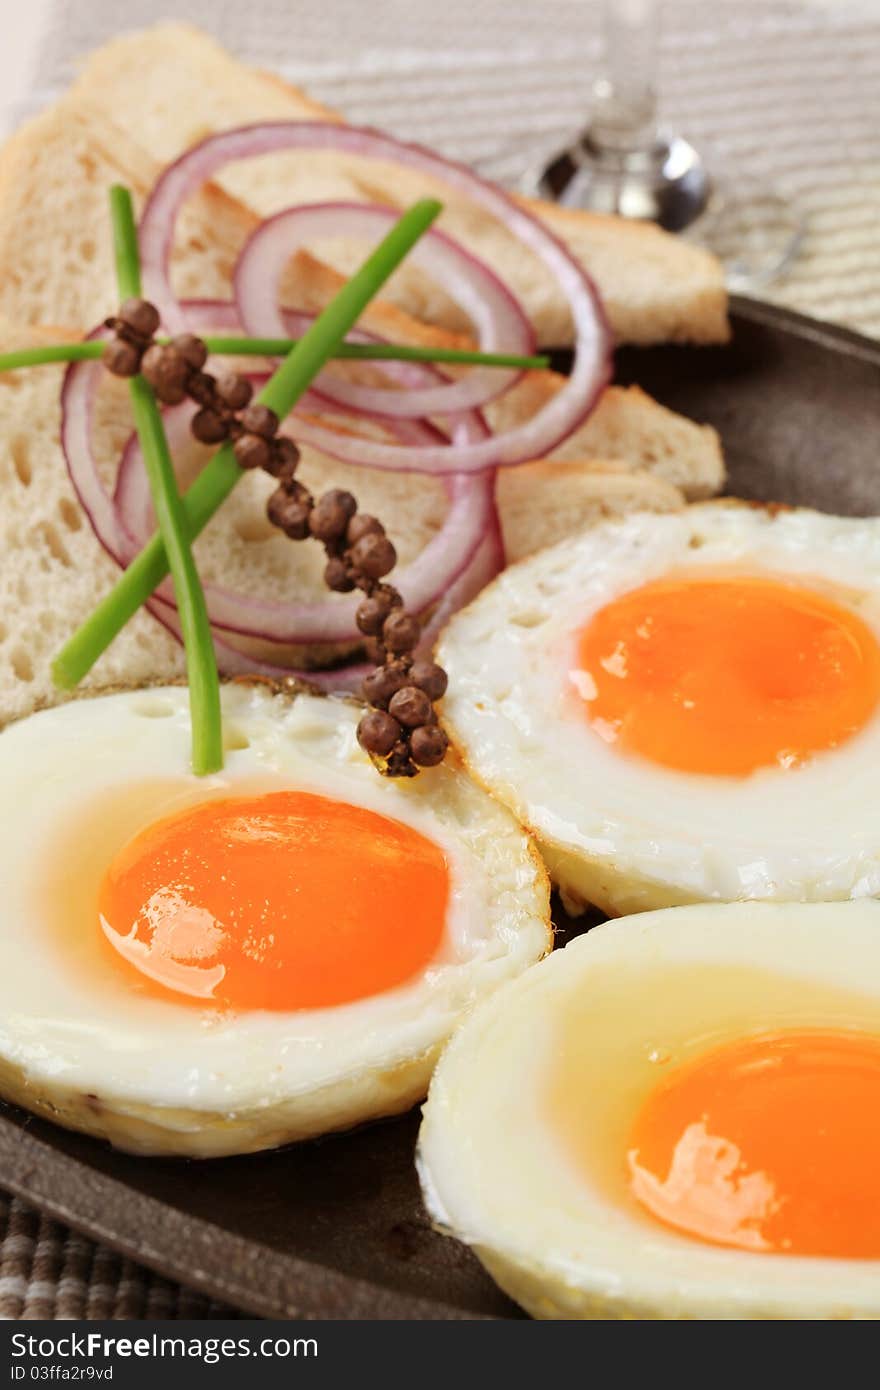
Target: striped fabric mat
780	96
49	1272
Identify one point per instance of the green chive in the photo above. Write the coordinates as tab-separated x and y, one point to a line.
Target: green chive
44	356
218	478
201	662
280	347
374	352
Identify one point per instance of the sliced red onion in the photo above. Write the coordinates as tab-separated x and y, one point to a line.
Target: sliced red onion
78	393
232	662
498	318
203	315
559	417
420	583
124	522
487	563
344	397
132	497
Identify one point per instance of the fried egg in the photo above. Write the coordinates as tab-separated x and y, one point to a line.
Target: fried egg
676	1116
684	708
217	965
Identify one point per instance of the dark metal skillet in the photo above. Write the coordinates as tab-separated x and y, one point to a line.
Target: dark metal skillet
335	1229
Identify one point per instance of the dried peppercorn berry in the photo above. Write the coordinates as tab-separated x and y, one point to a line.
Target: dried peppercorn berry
139	317
400	632
121	357
284	458
167	371
338	575
372	612
252	451
428	745
411	707
234	391
289	513
191	349
209	426
373	555
379	685
430	677
363	525
378	732
331	515
201	388
259	419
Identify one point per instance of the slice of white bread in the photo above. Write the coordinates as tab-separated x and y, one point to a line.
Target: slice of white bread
544	501
53	570
56	254
170	86
628	427
56	259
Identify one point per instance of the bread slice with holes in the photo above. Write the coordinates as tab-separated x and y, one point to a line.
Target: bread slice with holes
545	501
56	260
53	570
629	428
170	86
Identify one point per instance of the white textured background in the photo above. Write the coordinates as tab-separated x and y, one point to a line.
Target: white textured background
787	92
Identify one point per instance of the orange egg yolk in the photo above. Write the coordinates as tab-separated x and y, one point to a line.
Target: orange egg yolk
286	900
771	1143
727	675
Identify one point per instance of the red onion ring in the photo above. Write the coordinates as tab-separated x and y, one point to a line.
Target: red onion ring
221	313
124	522
558	418
500	322
78	392
131	496
487	563
420	583
232	662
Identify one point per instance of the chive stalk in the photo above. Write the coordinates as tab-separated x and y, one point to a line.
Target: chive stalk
49	353
201	662
375	352
222	472
279	347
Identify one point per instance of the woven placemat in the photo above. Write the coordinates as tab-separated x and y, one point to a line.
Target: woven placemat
47	1271
785	96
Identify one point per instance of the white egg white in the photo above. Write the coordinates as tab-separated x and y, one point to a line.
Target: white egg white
616	830
568	1240
82	1046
